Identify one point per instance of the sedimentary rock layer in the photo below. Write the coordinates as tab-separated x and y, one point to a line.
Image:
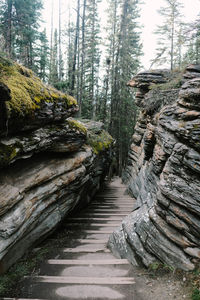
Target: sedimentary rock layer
163	174
49	164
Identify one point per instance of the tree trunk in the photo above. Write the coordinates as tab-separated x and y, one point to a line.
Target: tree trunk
9	29
59	45
75	49
51	45
82	58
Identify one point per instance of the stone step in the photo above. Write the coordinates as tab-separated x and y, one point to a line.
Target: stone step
88	241
111	211
93	224
111	205
88	262
98	231
21	299
95	219
85	280
104	214
85	256
84	268
88	248
107	268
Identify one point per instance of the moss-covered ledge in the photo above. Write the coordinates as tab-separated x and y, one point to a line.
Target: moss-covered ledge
97	138
31	103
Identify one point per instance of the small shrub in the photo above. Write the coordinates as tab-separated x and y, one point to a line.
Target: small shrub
196	294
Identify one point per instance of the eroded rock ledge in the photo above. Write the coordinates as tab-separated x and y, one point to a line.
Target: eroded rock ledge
163	173
49	163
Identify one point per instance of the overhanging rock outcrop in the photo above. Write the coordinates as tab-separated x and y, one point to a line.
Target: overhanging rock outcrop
163	173
50	163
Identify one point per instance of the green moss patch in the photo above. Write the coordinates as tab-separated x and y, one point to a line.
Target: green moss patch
7	154
77	125
27	90
99	142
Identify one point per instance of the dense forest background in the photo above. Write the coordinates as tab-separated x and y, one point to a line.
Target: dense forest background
95	71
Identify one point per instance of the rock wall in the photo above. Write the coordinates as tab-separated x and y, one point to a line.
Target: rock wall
163	173
49	163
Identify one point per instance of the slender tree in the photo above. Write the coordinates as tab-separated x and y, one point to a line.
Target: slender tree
75	54
125	51
6	27
169	32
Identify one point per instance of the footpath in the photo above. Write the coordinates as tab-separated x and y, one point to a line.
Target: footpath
83	268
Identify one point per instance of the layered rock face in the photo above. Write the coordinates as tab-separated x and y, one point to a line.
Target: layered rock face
163	173
49	163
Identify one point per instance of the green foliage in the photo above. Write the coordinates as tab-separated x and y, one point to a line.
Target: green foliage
174	83
196	294
16	273
160	267
99	141
124	52
170	35
19	27
7	154
77	125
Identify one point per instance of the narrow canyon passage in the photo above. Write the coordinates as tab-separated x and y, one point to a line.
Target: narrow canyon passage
83	268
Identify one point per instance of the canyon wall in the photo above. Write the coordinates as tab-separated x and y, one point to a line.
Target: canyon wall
163	172
49	162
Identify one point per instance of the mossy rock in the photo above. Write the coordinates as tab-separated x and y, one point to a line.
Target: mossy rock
77	125
7	154
174	82
28	92
100	141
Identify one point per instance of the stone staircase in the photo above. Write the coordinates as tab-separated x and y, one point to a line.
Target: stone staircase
85	268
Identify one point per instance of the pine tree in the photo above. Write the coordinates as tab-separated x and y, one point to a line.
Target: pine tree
125	52
192	54
54	76
27	18
42	59
6	26
92	59
169	33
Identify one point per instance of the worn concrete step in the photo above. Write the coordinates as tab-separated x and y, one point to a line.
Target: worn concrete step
113	196
85	280
86	219
85	256
110	211
99	230
88	262
107	203
100	214
55	291
111	206
93	224
86	270
88	248
21	299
